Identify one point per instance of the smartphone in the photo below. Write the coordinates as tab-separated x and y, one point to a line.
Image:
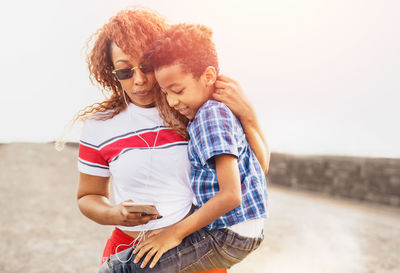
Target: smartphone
144	208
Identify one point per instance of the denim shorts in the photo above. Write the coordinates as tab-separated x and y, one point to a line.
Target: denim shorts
202	250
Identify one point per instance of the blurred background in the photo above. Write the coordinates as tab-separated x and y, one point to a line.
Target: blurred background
322	75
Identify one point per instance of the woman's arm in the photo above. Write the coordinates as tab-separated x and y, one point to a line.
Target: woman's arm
228	198
229	92
93	201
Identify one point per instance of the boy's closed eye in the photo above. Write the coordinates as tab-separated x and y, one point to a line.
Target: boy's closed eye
178	92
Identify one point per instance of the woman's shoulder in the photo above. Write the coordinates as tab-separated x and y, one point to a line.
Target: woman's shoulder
104	118
98	127
96	121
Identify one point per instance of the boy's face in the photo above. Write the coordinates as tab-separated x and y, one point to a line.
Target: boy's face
183	92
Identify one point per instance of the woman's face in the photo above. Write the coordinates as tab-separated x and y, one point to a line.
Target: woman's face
140	87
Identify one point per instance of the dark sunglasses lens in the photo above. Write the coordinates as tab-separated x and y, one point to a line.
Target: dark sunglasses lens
123	74
146	68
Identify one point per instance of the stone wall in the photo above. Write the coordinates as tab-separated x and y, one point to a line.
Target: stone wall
369	179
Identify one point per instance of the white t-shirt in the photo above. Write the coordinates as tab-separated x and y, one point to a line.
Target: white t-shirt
147	162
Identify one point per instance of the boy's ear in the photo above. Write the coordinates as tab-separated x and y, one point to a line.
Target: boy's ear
209	75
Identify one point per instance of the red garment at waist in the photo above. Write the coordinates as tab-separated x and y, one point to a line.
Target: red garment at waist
124	241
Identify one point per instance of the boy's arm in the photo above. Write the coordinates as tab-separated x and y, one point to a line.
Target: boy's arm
229	92
228	198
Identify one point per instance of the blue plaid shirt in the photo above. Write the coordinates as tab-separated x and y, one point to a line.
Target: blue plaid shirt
216	130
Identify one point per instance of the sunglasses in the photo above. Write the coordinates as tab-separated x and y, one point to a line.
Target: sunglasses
127	73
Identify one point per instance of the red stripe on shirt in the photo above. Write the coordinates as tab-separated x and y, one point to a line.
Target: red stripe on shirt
91	155
165	136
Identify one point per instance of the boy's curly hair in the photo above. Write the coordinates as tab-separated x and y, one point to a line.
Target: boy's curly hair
192	47
189	45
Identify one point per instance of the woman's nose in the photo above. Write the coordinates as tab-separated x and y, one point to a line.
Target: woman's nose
139	77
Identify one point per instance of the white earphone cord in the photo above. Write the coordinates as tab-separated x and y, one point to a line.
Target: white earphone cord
142	233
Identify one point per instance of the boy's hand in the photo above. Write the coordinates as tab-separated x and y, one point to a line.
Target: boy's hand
153	232
156	246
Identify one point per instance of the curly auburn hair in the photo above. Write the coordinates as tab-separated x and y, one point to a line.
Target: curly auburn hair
192	47
133	30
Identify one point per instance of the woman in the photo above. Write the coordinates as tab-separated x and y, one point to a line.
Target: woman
125	138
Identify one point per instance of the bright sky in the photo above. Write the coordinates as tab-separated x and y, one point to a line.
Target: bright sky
323	75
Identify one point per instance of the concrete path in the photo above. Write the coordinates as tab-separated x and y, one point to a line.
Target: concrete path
42	230
310	233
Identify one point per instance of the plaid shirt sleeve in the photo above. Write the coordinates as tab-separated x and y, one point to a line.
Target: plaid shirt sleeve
214	132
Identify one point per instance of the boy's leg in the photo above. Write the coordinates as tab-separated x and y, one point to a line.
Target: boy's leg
228	249
120	241
202	250
171	262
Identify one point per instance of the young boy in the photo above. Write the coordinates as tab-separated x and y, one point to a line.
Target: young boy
227	179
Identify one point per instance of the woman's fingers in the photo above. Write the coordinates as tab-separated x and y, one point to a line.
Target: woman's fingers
226	79
228	90
217	96
141	221
223	85
138	216
230	93
133	219
222	89
132	215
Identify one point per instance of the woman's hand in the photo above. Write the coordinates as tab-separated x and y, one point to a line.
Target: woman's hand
123	217
156	245
229	92
93	201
